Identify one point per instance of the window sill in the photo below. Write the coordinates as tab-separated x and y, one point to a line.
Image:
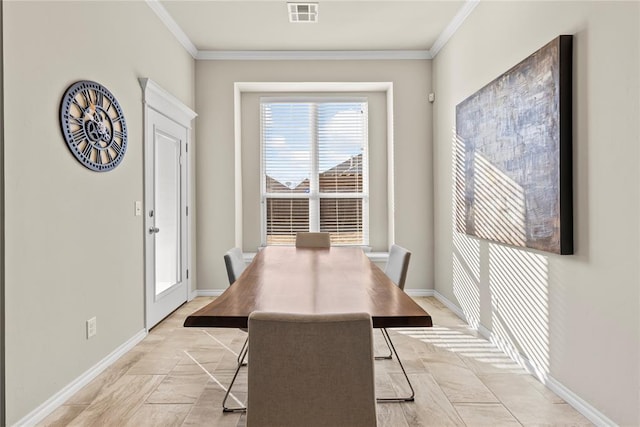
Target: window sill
380	257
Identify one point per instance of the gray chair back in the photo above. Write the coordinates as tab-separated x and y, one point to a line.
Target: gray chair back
234	262
313	240
398	265
311	370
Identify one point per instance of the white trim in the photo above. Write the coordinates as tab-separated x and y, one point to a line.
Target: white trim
209	292
450	305
312	86
241	87
391	200
159	103
373	256
173	27
419	292
591	413
165	103
579	404
311	55
55	401
377	256
453	26
247	257
237	150
484	332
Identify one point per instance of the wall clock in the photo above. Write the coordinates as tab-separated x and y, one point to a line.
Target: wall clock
93	125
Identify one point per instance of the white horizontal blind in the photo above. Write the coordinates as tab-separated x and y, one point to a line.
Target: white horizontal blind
314	170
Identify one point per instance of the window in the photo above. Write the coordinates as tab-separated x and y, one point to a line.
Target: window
314	170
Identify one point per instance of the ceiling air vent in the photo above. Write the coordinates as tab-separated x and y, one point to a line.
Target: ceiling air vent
303	12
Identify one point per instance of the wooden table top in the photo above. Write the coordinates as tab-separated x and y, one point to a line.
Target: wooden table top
311	281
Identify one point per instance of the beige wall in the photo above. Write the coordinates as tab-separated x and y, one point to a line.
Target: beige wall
575	317
215	161
74	248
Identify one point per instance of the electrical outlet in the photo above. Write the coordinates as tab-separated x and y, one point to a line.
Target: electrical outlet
91	327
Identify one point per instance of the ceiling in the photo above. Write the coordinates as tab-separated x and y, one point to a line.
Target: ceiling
215	26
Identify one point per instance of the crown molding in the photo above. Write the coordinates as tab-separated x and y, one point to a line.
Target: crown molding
310	55
173	26
453	26
162	101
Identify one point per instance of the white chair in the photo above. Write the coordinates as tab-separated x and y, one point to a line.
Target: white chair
313	240
311	370
234	262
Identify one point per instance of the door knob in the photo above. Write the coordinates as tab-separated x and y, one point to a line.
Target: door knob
153	230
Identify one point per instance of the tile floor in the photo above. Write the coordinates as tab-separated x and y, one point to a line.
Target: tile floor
176	375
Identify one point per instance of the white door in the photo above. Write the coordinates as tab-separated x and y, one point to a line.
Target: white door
166	166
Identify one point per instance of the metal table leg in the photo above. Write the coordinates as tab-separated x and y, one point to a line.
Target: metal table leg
387	357
396	399
241	357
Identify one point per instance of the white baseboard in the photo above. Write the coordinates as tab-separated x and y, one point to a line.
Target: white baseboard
419	292
484	332
209	292
579	404
55	401
590	413
450	305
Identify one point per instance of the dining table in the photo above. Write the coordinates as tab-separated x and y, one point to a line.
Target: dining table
337	279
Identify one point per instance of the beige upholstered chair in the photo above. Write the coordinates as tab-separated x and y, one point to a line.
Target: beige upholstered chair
234	262
310	370
313	240
398	265
396	270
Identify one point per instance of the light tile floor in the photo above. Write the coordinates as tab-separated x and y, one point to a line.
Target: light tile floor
176	375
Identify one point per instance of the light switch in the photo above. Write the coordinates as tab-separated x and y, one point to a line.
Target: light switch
138	208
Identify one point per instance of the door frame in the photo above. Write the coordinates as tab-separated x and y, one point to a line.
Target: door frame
2	217
159	100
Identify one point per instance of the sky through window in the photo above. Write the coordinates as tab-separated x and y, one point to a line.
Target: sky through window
288	132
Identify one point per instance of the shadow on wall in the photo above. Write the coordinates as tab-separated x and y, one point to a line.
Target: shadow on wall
466	251
516	280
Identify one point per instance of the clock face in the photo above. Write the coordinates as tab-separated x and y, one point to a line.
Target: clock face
93	125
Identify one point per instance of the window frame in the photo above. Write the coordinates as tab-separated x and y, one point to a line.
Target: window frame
315	195
311	87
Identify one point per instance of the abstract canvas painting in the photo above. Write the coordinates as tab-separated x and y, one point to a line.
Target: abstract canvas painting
513	154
